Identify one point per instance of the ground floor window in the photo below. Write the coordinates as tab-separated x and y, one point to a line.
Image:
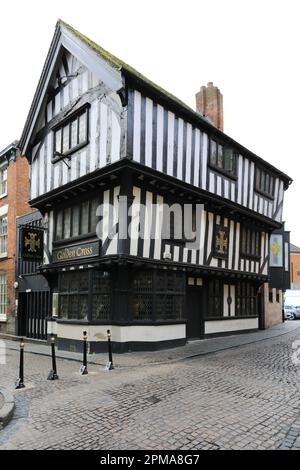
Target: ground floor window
3	294
158	295
246	299
84	295
215	298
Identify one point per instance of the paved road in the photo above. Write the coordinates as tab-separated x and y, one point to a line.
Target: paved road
242	398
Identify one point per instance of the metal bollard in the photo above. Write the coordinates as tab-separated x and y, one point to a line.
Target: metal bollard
109	365
53	372
83	368
20	381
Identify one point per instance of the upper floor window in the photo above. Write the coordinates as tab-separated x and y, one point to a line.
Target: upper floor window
3	181
222	158
264	182
79	219
250	242
71	134
3	236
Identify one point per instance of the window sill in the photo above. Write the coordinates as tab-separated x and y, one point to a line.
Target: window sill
69	153
3	195
262	193
3	256
233	317
223	172
250	257
3	318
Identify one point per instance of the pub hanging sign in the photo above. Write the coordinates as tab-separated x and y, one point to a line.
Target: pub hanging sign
32	242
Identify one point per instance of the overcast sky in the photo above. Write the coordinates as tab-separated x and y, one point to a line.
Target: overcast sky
249	49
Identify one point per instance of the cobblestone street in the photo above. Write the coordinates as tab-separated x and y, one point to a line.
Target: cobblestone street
241	398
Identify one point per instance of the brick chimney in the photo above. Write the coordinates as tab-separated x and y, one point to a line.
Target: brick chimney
209	102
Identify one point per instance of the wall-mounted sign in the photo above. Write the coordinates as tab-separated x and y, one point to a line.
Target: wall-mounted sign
276	251
221	241
32	242
67	253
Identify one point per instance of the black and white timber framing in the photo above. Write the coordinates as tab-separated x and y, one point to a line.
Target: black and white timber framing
145	144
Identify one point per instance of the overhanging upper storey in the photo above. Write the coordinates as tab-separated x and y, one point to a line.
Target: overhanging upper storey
91	110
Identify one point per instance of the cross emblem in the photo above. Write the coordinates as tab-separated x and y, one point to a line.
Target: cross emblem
32	242
221	242
275	248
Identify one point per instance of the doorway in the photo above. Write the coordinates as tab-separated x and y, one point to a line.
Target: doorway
194	314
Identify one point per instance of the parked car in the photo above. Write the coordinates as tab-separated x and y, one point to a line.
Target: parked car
291	312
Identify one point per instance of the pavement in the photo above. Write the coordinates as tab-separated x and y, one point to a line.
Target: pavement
7	405
191	349
230	393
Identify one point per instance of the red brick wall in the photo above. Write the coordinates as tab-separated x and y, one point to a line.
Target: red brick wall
17	200
295	269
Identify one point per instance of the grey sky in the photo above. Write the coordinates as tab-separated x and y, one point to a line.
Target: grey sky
249	49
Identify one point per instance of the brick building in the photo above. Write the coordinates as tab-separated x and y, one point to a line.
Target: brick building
14	187
295	266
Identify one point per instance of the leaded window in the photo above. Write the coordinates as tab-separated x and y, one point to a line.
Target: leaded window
246	299
158	295
250	242
85	295
264	182
79	219
143	295
101	295
169	299
222	158
71	134
215	298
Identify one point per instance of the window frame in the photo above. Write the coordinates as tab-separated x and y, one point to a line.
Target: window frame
214	166
68	122
71	207
3	254
243	287
272	179
89	292
3	294
254	232
3	182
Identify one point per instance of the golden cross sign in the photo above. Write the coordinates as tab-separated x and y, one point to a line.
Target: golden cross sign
221	242
275	248
32	242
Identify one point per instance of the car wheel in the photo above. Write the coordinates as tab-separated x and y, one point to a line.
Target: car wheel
292	316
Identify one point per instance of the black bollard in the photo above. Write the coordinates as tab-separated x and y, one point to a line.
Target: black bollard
20	381
53	372
83	368
110	365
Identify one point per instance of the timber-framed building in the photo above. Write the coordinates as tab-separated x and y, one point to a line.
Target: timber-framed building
98	130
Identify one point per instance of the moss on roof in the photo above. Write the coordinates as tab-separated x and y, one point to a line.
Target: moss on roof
119	64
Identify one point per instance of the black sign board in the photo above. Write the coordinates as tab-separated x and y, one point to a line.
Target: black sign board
221	241
32	240
68	253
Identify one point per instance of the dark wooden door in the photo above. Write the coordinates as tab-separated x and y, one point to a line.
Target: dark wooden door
194	312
